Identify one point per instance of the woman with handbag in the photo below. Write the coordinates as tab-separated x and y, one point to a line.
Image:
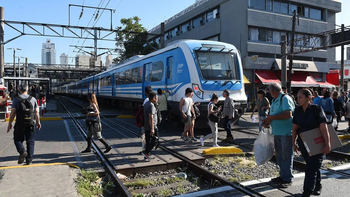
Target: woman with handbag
93	123
307	117
213	119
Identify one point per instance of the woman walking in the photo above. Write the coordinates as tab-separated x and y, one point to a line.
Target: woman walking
93	123
307	117
213	123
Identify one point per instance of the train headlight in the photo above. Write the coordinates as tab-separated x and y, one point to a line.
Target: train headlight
198	92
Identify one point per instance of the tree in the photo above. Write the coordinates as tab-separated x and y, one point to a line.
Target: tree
132	39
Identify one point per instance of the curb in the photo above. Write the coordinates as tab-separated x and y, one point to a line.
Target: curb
41	118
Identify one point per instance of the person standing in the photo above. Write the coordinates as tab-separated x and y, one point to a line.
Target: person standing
262	105
93	121
212	109
187	112
316	99
328	107
338	108
26	109
280	118
228	114
308	117
163	106
150	125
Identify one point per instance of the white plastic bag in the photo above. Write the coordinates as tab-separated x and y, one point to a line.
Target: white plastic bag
253	119
264	147
335	123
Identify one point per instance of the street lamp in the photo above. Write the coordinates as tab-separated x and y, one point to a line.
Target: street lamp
14	59
254	58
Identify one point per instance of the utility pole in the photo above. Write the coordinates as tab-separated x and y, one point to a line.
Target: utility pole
26	66
14	59
342	60
284	60
291	56
2	69
19	67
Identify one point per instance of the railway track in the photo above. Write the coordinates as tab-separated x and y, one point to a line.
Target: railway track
190	165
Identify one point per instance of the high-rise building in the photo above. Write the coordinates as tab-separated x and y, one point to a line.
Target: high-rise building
48	53
64	59
109	61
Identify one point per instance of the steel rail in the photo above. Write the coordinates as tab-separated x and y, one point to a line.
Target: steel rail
198	170
108	164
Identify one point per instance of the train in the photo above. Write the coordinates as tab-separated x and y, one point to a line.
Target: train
205	66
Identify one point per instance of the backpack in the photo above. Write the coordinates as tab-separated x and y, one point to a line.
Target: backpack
291	96
25	113
139	117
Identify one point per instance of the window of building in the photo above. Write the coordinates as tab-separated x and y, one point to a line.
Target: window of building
284	8
185	27
306	12
265	35
257	4
211	15
253	34
277	6
292	7
269	6
315	14
156	71
197	22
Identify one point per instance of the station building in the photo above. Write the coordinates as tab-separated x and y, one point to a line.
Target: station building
255	28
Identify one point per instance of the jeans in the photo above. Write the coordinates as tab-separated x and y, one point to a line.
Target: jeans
312	171
227	126
164	116
284	156
29	135
214	132
150	140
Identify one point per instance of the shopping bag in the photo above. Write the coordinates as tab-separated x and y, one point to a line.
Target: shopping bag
264	147
335	123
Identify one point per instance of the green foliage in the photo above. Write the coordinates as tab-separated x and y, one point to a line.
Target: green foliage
87	184
132	39
139	183
165	192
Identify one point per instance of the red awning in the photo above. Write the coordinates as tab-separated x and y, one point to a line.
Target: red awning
267	77
303	79
333	77
2	87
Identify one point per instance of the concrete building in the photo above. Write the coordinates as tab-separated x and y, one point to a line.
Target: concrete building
94	63
109	61
255	28
82	60
48	53
64	59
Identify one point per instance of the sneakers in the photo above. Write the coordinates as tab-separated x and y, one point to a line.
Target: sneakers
215	145
317	190
228	139
88	150
108	149
202	141
146	156
21	157
28	162
186	139
285	184
193	139
277	180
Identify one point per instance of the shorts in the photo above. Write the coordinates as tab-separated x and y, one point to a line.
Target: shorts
94	129
188	120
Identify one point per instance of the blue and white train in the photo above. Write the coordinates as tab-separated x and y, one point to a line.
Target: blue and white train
206	66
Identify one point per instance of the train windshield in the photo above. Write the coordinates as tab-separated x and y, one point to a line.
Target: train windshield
217	65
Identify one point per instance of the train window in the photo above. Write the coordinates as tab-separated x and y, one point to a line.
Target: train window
170	67
128	77
136	75
156	71
121	78
217	65
147	73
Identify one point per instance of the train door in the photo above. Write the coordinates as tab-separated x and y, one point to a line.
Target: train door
169	69
145	77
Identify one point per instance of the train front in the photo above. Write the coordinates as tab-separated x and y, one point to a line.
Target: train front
218	67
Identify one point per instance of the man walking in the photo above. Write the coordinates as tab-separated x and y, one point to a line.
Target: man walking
228	114
281	115
26	109
150	124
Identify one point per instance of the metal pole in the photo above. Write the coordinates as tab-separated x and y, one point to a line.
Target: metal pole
291	56
19	67
284	60
342	60
26	66
162	30
14	62
95	47
2	69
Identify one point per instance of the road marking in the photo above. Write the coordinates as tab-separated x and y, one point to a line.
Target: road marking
39	165
6	147
74	146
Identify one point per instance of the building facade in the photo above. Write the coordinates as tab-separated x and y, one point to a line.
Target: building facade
82	60
109	61
48	53
64	59
255	27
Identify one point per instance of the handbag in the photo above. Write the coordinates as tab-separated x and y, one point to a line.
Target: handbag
215	117
91	119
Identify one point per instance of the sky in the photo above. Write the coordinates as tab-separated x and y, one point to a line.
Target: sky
151	12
